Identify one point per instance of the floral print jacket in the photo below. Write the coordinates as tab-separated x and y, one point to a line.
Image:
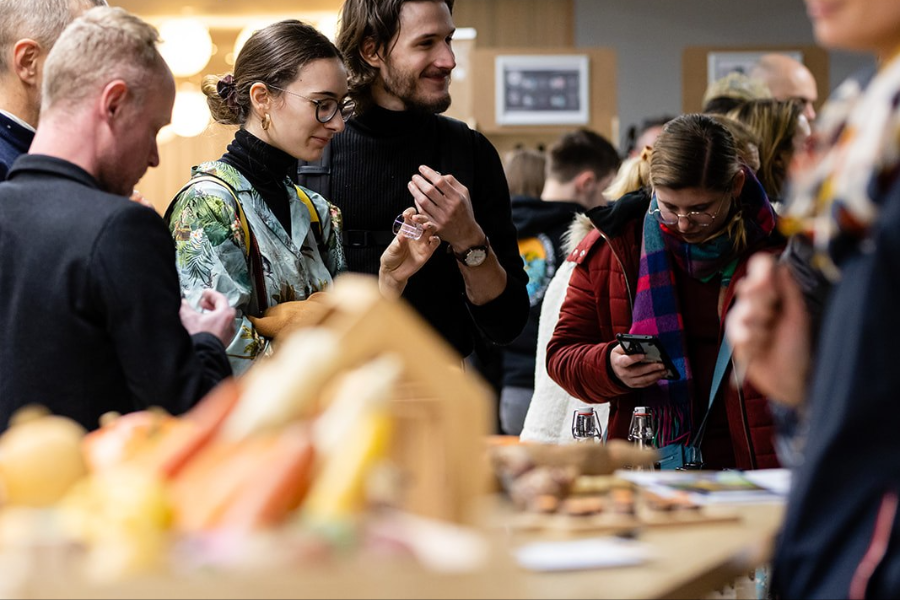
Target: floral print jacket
211	252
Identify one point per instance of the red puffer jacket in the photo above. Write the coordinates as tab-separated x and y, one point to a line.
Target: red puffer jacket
598	305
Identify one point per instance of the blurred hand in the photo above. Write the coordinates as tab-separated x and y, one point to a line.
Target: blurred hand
215	316
138	197
632	372
446	203
768	327
287	316
404	257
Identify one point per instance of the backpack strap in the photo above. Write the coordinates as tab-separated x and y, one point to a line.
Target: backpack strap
315	222
722	361
259	299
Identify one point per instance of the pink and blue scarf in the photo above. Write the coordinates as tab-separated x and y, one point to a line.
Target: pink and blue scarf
656	310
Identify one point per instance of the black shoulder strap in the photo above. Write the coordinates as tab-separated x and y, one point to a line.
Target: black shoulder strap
316	175
258	300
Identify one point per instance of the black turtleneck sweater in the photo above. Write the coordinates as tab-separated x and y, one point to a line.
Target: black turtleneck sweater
372	162
266	168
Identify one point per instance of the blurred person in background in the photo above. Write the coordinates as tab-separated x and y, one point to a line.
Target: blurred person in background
91	313
841	529
728	92
580	165
28	30
288	93
666	264
782	130
639	138
788	79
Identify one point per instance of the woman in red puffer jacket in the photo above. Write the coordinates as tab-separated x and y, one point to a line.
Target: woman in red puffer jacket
665	263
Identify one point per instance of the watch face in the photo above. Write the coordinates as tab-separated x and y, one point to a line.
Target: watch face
475	256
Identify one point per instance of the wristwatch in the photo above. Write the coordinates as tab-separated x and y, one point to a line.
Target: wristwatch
474	256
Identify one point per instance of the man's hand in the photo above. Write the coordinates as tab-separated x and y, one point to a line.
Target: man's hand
632	372
404	257
768	327
215	316
445	202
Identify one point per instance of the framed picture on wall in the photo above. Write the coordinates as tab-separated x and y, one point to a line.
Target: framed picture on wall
542	89
721	64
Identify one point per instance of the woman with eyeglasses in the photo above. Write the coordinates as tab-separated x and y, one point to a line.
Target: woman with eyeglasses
664	262
240	224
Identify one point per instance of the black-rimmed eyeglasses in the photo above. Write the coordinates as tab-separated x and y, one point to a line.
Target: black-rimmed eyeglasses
700	219
326	108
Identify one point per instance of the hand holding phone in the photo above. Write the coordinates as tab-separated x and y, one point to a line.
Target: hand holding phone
651	348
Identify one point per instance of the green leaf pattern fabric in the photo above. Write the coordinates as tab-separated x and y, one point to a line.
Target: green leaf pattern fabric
210	251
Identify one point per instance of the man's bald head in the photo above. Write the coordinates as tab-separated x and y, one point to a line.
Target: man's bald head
788	79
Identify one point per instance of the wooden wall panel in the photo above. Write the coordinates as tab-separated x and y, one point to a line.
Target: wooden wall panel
532	23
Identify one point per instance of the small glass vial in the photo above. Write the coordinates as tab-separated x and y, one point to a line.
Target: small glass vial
586	426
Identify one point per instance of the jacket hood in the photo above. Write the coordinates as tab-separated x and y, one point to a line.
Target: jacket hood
611	218
532	216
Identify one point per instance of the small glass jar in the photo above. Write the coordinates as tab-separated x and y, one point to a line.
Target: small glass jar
586	426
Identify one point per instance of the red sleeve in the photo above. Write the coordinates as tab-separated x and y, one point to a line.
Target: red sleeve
577	355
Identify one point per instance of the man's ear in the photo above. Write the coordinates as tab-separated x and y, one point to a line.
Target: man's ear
585	182
369	53
113	99
26	60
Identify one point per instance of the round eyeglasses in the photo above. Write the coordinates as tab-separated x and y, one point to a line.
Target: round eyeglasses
700	219
326	108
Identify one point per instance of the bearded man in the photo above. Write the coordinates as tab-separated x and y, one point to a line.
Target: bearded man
397	152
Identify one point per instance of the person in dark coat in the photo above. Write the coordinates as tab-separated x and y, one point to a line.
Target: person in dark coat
666	263
841	537
91	312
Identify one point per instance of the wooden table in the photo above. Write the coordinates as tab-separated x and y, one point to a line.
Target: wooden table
689	562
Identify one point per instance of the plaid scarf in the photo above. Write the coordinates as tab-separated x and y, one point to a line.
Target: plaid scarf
853	158
656	310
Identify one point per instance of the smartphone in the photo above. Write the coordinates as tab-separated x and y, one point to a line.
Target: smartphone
651	347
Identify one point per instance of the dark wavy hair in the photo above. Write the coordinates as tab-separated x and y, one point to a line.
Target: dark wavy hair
361	20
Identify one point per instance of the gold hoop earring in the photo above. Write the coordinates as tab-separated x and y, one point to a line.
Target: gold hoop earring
266	121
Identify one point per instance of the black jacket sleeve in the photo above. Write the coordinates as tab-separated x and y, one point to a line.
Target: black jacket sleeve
138	284
502	319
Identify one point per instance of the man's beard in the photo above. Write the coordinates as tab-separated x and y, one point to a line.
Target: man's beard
403	86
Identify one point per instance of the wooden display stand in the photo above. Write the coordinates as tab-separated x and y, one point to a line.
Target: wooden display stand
442	413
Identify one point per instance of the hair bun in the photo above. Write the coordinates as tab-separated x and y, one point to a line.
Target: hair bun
227	91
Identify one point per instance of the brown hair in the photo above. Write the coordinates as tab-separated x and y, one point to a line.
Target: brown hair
361	20
579	151
774	122
525	172
274	56
746	142
696	151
